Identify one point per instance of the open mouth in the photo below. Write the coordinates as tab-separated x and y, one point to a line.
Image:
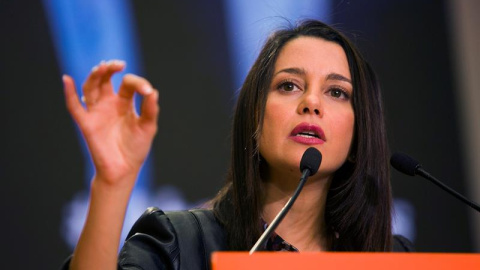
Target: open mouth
308	133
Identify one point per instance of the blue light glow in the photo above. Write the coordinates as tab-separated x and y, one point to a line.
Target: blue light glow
85	32
251	21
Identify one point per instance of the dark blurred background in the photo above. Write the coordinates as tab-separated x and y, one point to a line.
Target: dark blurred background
425	54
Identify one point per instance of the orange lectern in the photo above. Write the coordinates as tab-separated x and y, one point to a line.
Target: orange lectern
343	260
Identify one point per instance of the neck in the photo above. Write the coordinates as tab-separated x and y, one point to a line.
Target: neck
304	225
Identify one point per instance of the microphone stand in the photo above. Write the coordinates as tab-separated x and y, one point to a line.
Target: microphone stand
261	241
457	195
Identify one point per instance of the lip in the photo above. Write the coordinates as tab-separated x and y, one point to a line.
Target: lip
306	127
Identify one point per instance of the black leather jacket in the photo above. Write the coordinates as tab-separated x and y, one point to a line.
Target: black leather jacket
154	242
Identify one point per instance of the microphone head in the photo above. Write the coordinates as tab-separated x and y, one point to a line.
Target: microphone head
404	163
311	160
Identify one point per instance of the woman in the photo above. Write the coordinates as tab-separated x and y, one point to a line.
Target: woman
308	87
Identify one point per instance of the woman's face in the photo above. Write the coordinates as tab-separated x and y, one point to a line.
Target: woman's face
308	105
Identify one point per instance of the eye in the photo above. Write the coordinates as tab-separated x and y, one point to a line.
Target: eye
339	93
287	86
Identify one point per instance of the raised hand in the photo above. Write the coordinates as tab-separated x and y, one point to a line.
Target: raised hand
117	137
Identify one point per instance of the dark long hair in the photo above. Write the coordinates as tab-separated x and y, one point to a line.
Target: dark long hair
358	207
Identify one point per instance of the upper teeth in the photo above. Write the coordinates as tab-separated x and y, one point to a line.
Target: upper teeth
307	134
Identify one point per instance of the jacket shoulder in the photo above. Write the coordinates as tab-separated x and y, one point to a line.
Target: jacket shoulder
402	244
172	240
151	243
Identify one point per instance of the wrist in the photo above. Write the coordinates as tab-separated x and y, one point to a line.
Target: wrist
119	183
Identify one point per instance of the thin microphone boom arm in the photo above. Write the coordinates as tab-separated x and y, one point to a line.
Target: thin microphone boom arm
261	241
457	195
407	165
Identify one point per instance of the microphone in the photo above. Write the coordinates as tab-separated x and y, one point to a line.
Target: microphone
407	165
309	165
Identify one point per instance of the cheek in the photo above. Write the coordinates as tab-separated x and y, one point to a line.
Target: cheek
344	130
274	119
336	151
275	113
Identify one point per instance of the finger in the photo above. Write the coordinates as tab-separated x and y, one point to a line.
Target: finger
150	110
132	83
112	67
98	83
71	99
92	84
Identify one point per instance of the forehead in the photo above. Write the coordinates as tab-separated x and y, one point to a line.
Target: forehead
314	55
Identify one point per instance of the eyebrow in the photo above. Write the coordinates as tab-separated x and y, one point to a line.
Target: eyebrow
301	71
338	77
297	71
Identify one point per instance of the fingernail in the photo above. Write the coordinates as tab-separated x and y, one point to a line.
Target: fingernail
102	62
115	63
64	81
147	89
119	62
94	68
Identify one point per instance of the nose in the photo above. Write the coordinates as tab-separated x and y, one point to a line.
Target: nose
310	104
